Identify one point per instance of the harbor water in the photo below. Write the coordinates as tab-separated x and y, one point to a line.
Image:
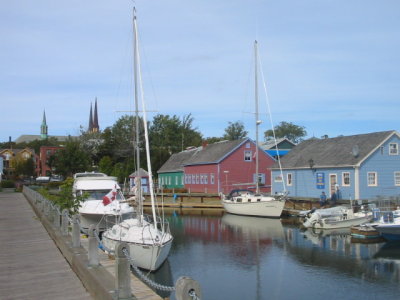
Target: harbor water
237	257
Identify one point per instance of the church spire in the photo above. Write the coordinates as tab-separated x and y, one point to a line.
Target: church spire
43	127
95	118
90	129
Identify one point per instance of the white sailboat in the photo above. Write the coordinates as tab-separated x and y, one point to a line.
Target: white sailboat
247	202
148	238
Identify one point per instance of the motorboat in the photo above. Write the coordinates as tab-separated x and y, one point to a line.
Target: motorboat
336	217
92	188
389	225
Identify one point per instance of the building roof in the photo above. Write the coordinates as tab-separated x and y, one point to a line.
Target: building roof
177	160
216	152
271	144
26	138
334	152
142	173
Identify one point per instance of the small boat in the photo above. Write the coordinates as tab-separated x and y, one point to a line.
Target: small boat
93	187
248	202
390	231
336	217
148	237
364	231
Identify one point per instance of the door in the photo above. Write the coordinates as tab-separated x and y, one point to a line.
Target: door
332	183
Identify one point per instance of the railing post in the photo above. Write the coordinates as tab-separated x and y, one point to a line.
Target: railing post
93	251
122	272
56	217
76	232
64	222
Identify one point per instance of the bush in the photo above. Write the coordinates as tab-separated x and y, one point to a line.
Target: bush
7	184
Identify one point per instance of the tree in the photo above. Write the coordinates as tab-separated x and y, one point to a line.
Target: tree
91	142
287	130
235	131
71	159
24	167
106	165
170	135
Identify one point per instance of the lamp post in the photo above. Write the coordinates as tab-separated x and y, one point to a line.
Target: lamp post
226	180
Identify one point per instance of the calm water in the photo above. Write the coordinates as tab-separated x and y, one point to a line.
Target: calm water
234	257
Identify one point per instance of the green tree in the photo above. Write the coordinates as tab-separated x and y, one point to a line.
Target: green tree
24	167
235	131
106	165
91	143
71	159
287	130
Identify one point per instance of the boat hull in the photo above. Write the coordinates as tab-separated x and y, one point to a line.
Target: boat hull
390	232
144	256
270	209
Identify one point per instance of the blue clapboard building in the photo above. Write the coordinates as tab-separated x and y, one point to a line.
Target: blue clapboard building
360	167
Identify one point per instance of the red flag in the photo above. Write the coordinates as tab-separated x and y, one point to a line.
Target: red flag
110	197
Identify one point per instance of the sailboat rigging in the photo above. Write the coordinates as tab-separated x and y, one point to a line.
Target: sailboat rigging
148	238
246	202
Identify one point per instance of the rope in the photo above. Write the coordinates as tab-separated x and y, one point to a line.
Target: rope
146	279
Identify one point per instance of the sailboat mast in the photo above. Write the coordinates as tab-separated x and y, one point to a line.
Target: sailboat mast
258	122
136	87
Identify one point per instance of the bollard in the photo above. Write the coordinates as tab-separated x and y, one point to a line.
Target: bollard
76	232
187	289
64	222
122	272
93	252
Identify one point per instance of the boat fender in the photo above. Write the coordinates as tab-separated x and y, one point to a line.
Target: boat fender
187	288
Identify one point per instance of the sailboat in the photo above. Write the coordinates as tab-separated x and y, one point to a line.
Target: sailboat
248	202
149	239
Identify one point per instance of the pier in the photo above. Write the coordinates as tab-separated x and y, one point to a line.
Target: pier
31	265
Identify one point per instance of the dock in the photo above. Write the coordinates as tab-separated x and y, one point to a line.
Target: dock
31	265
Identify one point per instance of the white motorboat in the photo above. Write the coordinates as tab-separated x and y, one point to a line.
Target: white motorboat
388	225
148	238
247	202
94	187
336	217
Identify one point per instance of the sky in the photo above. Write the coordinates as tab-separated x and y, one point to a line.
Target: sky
331	66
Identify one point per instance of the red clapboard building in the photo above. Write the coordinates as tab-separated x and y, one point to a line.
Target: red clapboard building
227	165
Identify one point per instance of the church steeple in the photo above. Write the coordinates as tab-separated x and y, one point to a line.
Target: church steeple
90	128
93	119
43	127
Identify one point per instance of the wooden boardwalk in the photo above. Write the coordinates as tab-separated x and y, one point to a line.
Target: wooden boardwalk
31	266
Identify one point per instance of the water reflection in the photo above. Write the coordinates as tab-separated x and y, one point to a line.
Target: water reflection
236	257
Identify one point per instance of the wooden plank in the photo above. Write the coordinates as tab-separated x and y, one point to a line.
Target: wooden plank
31	266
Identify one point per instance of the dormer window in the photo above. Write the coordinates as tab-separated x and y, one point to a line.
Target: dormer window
393	149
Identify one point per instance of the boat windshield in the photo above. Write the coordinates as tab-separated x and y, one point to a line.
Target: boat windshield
97	194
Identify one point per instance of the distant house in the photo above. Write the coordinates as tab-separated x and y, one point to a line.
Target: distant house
361	166
144	180
280	147
11	158
227	165
44	156
171	173
1	168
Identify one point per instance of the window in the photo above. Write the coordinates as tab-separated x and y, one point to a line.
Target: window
289	178
247	145
397	178
205	179
372	179
212	178
247	155
346	179
193	179
278	178
201	179
393	149
176	180
197	178
189	181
